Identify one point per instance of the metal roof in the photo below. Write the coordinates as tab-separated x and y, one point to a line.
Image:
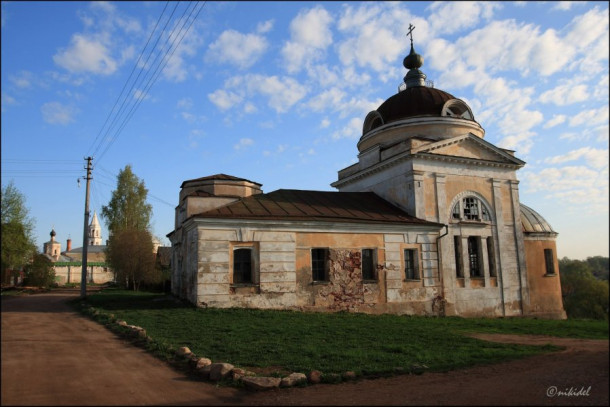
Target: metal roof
326	206
533	222
218	177
411	102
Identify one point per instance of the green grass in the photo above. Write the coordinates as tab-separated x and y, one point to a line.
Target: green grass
370	345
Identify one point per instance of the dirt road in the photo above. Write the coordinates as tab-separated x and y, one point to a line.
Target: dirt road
54	356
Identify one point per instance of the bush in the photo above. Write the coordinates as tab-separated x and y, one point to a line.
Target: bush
40	272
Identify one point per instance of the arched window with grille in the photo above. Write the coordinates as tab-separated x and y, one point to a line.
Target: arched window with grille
470	208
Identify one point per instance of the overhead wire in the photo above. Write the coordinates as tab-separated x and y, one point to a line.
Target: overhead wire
158	70
130	75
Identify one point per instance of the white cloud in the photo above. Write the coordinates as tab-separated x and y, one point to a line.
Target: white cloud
324	123
579	185
185	103
7	100
590	117
56	113
86	55
563	5
450	17
310	34
281	93
510	46
224	100
250	108
595	157
243	143
370	43
265	26
565	94
555	121
573	136
24	80
352	130
328	100
241	50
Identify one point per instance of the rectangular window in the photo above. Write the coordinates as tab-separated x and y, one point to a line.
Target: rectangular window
548	260
411	264
319	264
368	264
474	256
457	244
242	266
491	257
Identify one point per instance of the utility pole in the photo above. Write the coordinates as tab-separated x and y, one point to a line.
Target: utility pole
83	279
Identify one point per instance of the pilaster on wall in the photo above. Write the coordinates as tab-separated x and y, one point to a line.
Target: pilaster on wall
498	237
441	198
522	268
415	185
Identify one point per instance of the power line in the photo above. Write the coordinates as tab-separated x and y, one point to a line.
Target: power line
173	45
130	75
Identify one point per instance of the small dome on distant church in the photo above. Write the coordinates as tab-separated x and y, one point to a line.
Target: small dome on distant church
53	234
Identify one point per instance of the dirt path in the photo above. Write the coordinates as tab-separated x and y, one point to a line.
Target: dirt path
53	356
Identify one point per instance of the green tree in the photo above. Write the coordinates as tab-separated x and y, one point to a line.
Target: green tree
130	253
130	247
39	272
584	296
17	226
600	266
127	208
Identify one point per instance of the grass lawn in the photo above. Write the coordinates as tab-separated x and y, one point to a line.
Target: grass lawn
289	341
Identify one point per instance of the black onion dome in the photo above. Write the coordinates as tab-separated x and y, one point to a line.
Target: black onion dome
415	101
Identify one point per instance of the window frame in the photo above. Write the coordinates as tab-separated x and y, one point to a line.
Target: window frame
549	262
239	276
315	264
491	256
254	264
413	261
373	262
475	266
470	208
457	247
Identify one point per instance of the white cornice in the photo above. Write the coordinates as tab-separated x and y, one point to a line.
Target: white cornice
309	226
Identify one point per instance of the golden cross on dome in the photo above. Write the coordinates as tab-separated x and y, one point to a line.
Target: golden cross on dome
410	33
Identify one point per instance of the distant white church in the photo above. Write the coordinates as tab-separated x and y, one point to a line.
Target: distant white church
427	222
68	264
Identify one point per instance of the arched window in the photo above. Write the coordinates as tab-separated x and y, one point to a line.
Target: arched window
470	208
457	108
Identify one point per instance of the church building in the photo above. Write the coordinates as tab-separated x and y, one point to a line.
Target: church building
68	264
427	222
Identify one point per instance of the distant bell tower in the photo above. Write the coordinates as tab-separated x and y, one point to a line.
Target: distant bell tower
52	247
95	232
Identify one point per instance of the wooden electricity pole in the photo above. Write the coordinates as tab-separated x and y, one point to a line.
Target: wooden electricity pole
83	279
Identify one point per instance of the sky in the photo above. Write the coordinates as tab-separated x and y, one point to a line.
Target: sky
277	93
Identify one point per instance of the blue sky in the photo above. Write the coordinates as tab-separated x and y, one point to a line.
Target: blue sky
276	92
